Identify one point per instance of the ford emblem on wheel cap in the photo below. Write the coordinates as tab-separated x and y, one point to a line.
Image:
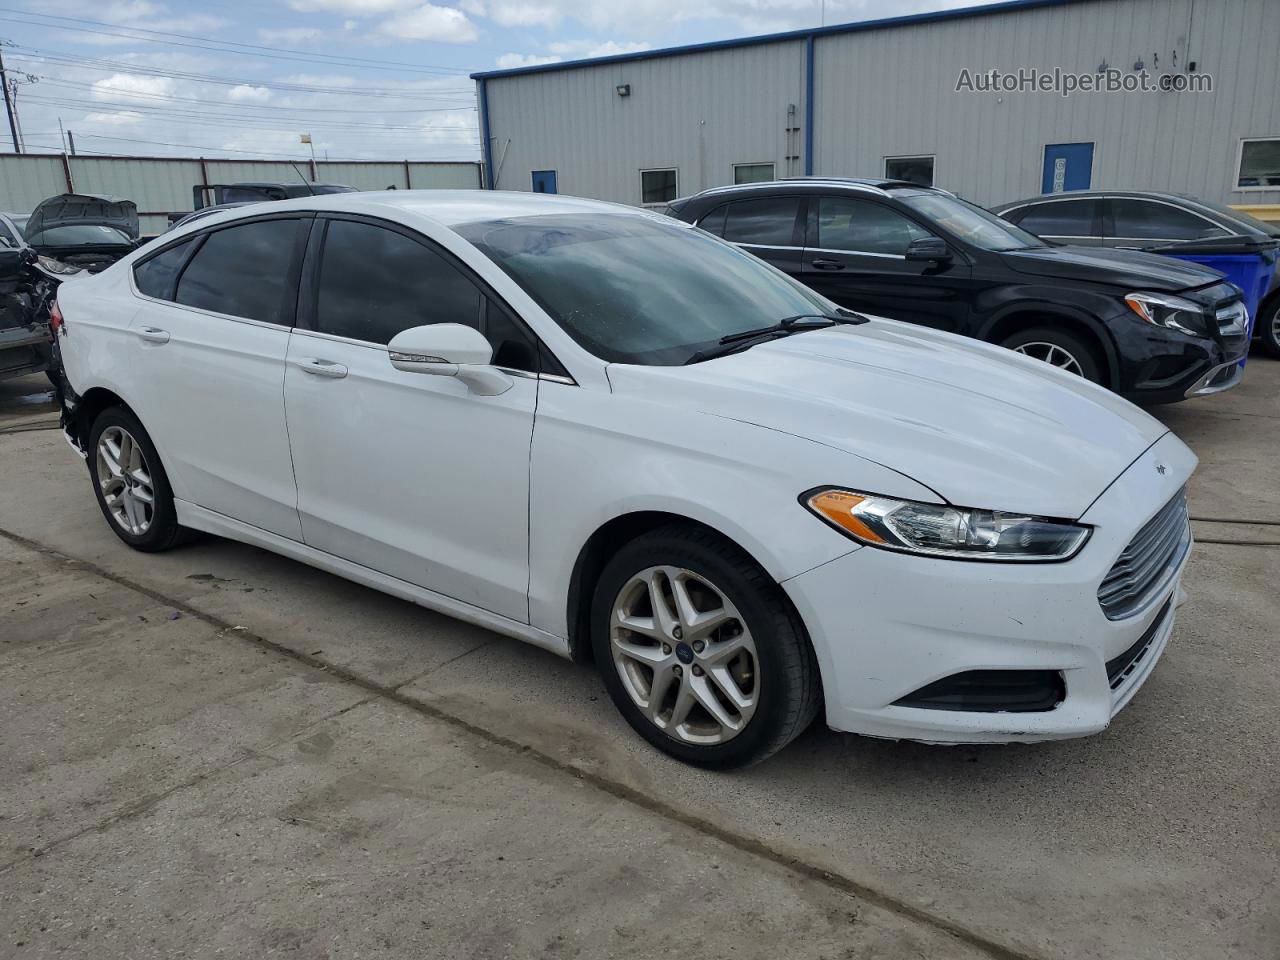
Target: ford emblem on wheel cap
684	653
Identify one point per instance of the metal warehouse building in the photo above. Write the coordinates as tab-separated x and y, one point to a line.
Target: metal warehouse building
880	98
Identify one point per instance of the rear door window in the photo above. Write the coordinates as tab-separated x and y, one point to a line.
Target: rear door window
1148	220
1059	218
243	271
766	222
156	276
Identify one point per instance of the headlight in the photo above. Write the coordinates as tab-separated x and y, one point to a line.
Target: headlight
941	531
58	267
1168	311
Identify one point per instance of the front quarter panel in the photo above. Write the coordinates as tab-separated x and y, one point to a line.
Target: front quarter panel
598	456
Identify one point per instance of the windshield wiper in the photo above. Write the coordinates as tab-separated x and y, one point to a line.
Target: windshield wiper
733	342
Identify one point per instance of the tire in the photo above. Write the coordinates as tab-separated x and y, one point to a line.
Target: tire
149	528
1050	343
1268	327
760	647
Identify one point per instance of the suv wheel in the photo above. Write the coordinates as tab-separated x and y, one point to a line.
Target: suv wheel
1269	327
130	482
1059	348
699	650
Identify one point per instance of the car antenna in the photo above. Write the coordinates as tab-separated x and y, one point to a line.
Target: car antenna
302	178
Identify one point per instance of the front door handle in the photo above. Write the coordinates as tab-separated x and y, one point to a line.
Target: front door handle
153	334
321	368
826	264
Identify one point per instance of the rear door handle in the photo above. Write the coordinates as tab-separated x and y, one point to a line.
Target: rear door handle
826	264
153	334
321	368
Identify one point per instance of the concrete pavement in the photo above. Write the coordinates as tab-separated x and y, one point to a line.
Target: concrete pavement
1156	839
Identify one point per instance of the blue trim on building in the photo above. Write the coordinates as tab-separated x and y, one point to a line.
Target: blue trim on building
808	106
810	34
485	147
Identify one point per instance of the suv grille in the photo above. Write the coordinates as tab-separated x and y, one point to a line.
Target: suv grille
1148	561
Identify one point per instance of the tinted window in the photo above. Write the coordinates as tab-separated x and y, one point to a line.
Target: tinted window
1061	218
375	282
513	346
713	222
595	276
862	226
752	172
155	277
1144	220
769	221
1259	164
250	194
242	271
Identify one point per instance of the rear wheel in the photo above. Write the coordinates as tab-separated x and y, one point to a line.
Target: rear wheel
130	482
700	651
1269	327
1058	348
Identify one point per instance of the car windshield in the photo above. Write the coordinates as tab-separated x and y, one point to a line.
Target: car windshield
969	222
635	289
1261	226
79	235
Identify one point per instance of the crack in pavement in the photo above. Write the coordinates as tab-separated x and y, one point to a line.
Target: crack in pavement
740	841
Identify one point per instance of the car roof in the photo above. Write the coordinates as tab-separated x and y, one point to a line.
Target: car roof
862	184
1071	194
454	207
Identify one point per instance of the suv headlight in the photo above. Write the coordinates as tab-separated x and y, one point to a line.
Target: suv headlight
941	531
1171	312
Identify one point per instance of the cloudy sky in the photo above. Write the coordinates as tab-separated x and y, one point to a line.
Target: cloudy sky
367	79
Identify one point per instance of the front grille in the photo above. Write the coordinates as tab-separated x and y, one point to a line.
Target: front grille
1120	668
1148	561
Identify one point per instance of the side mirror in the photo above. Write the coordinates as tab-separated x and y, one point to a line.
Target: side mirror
928	249
449	350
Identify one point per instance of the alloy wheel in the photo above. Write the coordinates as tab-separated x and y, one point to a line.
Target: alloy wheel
685	655
1052	354
125	481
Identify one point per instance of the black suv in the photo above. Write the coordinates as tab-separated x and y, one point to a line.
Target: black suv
1151	328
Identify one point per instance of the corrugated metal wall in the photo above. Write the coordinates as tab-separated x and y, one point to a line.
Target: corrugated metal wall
891	92
700	113
160	186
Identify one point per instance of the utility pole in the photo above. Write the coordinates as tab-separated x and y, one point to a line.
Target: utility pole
71	139
8	107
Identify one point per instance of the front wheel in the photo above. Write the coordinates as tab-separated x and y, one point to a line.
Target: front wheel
700	651
130	482
1269	327
1058	348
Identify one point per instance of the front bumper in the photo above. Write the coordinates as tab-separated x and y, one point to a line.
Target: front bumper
885	624
1164	366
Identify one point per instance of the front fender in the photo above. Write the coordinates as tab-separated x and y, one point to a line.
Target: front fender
597	457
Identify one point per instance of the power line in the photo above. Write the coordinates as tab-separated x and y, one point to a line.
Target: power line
222	119
139	68
262	155
221	46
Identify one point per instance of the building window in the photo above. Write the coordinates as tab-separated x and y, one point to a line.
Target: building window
657	186
1259	167
911	169
753	172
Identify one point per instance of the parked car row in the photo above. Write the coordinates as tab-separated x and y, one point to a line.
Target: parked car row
1151	328
742	492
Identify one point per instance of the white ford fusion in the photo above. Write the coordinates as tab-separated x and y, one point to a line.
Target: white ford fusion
612	435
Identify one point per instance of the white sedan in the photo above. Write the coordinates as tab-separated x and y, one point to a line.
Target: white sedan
612	435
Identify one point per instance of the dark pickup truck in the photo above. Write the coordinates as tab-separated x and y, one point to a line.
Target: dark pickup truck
221	194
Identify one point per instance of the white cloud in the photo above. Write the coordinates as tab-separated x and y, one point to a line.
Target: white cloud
132	86
509	61
522	13
430	22
247	94
117	118
474	7
596	48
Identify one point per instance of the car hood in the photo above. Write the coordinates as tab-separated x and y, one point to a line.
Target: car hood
1122	268
979	425
84	208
